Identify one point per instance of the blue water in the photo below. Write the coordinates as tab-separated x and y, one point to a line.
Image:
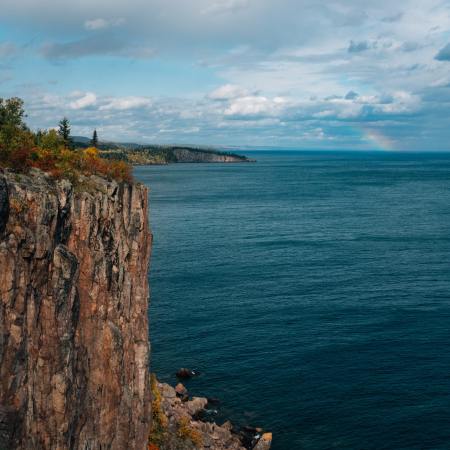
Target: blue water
312	290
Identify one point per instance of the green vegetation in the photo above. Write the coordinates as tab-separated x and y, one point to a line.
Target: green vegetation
50	150
160	422
158	154
94	140
138	154
165	434
186	432
61	155
64	132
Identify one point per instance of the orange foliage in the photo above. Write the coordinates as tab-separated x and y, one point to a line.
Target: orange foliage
20	158
64	162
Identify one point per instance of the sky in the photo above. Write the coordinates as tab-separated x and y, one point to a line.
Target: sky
306	74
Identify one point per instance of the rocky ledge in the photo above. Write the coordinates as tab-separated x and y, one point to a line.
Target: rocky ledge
179	423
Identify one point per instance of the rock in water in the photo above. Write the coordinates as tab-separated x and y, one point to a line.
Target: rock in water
186	373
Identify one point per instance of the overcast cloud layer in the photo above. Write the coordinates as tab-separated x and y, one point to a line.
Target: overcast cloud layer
287	73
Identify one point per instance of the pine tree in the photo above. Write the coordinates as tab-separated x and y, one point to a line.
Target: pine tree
94	140
64	131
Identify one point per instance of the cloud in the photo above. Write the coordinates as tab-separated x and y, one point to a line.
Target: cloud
410	46
361	46
253	106
83	101
253	119
7	49
104	45
225	6
227	92
101	24
351	95
393	18
335	67
81	48
443	54
126	103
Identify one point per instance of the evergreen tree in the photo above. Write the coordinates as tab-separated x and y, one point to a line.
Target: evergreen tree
94	140
64	131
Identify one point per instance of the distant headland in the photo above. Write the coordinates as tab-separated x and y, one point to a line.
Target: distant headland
144	154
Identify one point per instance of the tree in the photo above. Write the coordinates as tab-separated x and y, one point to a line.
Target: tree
12	113
49	140
94	140
14	134
64	131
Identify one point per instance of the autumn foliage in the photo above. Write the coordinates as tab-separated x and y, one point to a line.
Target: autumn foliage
66	163
21	150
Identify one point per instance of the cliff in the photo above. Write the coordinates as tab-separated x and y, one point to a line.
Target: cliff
74	346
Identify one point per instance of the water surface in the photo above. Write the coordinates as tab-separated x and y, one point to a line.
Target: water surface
312	290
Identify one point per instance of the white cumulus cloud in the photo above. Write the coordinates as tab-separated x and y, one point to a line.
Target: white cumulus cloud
86	100
227	92
125	103
254	106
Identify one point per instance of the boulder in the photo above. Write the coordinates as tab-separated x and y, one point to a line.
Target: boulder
181	390
196	405
227	425
167	391
186	373
264	443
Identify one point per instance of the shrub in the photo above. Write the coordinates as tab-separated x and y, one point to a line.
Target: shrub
20	149
159	420
186	432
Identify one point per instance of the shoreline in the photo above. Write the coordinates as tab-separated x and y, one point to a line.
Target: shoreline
181	421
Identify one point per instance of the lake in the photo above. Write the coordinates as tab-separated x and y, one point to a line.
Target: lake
312	291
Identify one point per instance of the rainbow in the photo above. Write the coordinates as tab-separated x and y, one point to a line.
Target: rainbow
377	139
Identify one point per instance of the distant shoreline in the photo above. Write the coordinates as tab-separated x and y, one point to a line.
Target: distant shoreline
141	155
173	155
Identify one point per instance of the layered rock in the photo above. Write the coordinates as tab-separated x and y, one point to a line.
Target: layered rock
74	346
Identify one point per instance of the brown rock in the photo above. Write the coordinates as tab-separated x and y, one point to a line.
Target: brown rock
185	373
264	442
195	405
181	390
73	314
227	425
167	391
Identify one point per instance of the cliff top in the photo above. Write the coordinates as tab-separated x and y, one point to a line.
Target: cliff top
50	150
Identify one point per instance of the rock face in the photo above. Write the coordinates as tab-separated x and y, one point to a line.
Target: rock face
74	346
